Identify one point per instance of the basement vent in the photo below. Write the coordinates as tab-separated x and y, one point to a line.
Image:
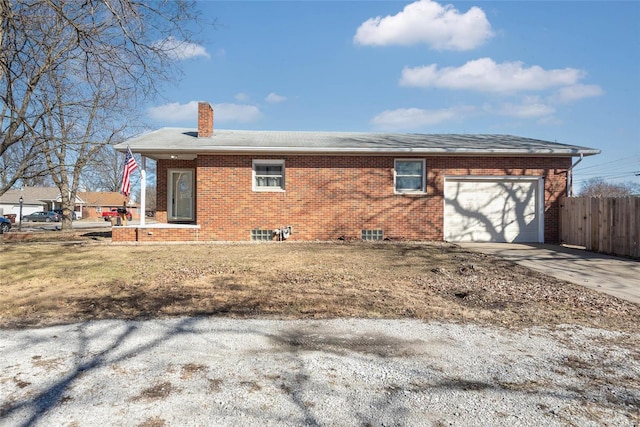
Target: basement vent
261	235
372	234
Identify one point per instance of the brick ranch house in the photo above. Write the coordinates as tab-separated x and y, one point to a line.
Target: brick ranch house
231	185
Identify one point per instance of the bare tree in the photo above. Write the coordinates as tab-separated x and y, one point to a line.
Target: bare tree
598	187
151	205
103	171
19	161
80	124
21	68
68	72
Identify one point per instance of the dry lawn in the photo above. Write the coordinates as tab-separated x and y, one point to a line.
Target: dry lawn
49	283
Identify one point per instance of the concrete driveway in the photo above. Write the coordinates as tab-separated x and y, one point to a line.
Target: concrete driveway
619	277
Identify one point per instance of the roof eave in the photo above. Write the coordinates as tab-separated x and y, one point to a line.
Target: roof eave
157	153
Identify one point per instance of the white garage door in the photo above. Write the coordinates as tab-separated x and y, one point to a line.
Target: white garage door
493	209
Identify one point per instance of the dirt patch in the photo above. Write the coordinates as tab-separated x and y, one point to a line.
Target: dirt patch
44	284
153	422
84	236
156	392
20	383
215	385
191	369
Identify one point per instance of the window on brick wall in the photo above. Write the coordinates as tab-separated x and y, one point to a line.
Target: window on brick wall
268	175
180	195
258	234
372	234
410	176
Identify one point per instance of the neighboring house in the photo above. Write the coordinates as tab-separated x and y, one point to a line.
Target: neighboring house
244	185
95	203
34	199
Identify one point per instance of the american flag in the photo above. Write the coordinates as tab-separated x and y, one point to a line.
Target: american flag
130	165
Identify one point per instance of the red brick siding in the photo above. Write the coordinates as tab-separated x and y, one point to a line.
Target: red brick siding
205	119
121	234
129	234
327	197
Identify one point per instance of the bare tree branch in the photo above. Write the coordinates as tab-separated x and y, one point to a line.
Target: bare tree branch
68	72
598	187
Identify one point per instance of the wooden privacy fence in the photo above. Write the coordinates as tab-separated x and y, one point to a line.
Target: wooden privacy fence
609	225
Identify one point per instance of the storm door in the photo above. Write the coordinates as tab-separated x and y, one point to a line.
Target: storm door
180	197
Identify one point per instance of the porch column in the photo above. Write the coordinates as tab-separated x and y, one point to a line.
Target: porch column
143	191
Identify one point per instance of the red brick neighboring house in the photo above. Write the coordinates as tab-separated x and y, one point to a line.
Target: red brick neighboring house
95	203
253	185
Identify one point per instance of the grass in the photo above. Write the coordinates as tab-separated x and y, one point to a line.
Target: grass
44	283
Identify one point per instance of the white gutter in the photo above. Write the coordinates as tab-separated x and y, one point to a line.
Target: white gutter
230	149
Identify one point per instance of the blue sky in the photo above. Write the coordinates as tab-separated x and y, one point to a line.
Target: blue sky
559	71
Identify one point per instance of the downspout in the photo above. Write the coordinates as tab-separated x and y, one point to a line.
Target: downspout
570	176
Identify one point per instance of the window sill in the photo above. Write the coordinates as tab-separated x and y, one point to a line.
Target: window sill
268	190
411	193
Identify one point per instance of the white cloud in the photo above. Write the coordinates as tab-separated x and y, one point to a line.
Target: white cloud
242	97
415	118
426	21
576	92
175	112
530	107
274	98
484	75
241	113
223	113
177	49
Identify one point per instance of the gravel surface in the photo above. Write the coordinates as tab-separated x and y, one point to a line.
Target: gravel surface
344	372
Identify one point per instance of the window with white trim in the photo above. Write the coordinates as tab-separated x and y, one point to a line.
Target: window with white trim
180	195
268	175
410	176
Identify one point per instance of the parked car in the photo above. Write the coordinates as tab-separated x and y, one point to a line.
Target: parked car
5	225
59	212
43	216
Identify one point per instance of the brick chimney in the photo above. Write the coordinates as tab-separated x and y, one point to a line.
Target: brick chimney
205	120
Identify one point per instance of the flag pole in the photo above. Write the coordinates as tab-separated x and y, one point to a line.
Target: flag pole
130	165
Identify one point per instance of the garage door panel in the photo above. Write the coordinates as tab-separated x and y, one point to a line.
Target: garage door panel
491	210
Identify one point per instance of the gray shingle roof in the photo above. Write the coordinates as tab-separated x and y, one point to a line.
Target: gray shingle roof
31	195
165	141
34	196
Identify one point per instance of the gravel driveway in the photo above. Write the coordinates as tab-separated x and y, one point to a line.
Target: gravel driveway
225	372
